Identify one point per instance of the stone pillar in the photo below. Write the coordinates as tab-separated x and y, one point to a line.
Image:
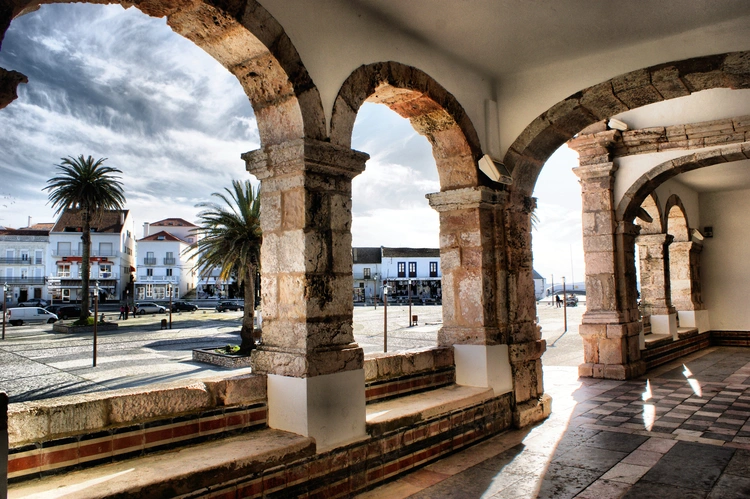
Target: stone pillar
316	384
610	327
524	335
656	302
3	444
684	272
473	277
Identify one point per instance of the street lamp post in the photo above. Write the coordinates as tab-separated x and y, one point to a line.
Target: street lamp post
375	294
6	288
411	322
169	290
385	318
565	308
96	316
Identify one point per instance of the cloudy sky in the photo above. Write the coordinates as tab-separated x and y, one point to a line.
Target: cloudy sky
114	83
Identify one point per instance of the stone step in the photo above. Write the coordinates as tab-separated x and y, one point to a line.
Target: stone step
174	473
406	411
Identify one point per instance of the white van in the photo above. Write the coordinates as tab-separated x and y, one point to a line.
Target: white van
22	315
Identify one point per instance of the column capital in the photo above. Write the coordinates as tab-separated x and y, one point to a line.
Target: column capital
654	239
305	155
468	197
595	148
595	171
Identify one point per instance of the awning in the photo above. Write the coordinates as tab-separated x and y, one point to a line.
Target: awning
77	283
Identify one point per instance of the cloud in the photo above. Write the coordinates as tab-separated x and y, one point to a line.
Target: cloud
115	83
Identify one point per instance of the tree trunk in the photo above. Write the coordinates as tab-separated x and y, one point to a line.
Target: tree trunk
246	333
85	263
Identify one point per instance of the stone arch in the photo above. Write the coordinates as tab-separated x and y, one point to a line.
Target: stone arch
431	109
651	206
252	45
676	219
627	209
527	155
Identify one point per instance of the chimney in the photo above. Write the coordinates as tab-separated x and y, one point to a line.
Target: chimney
122	218
29	225
146	228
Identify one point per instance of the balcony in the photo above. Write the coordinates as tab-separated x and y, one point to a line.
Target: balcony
149	261
94	253
169	261
22	281
153	279
17	261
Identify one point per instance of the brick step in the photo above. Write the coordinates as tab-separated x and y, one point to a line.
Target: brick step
404	412
172	474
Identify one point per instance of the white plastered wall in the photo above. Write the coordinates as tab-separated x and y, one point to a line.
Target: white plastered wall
725	261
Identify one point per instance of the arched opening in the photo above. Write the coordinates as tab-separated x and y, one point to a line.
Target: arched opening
684	264
180	164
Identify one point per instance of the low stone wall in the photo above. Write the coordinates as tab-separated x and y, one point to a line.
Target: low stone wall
59	434
390	375
348	470
67	328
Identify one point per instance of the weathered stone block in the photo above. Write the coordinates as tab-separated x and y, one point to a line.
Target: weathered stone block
612	351
139	405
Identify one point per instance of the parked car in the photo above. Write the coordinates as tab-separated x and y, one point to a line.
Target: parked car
229	305
178	306
66	312
148	307
20	315
34	302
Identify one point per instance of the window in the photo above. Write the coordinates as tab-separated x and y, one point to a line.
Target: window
63	270
159	292
141	292
150	290
105	270
169	260
433	269
169	272
63	249
412	269
401	269
38	257
24	273
105	249
367	272
149	273
10	253
150	258
25	255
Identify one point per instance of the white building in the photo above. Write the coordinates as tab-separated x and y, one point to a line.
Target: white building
23	260
366	273
112	258
418	266
162	262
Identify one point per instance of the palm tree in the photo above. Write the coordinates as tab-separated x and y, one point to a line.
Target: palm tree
87	185
229	238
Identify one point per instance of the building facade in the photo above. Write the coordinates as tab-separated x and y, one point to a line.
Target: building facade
412	272
112	258
23	261
366	271
164	268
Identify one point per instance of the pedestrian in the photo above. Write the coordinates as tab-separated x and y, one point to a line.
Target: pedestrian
558	301
127	310
122	312
135	309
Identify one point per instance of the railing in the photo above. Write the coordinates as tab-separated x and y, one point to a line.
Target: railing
77	252
158	278
15	261
149	261
169	261
25	281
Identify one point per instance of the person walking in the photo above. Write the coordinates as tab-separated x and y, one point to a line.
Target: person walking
122	313
558	301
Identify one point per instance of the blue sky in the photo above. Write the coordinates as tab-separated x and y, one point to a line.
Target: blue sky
114	83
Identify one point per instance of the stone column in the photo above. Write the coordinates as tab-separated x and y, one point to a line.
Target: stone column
316	384
656	302
473	278
684	272
610	326
524	335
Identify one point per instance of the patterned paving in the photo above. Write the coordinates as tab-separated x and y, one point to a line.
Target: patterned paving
678	433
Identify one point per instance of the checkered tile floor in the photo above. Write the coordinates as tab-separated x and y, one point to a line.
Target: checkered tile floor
682	431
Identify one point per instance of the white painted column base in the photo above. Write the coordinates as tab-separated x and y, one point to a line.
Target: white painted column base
484	366
328	408
664	324
695	318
